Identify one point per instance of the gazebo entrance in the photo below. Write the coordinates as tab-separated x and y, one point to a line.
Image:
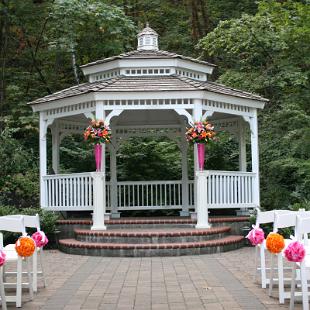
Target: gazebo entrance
142	93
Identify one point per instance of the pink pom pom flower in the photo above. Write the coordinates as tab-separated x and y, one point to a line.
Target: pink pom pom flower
295	252
40	239
2	258
256	235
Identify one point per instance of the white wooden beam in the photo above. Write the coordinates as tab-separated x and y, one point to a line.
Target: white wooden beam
43	157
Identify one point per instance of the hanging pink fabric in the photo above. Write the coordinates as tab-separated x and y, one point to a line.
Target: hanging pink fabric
98	153
201	155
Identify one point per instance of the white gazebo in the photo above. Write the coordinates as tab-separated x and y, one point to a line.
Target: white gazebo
149	92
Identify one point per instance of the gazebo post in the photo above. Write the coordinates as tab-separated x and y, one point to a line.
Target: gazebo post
242	147
99	185
43	157
255	156
184	149
200	179
197	115
113	180
55	147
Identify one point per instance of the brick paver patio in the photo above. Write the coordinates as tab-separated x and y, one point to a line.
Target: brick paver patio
219	281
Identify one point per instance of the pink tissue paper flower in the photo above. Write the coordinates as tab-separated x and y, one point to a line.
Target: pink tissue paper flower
2	258
295	252
256	235
40	239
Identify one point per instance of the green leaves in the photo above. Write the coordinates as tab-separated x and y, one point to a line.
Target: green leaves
268	53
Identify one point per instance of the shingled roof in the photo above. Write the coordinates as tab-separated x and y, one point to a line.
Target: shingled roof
143	54
149	84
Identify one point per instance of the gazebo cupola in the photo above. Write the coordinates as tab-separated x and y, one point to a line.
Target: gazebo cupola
147	39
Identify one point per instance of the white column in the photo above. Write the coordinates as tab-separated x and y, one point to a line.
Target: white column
184	149
113	180
55	147
100	114
99	186
99	201
201	203
197	115
43	157
242	147
255	156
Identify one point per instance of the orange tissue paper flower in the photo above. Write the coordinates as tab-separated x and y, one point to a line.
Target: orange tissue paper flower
275	243
25	246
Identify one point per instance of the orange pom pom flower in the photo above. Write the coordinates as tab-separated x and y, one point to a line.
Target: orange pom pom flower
25	246
275	243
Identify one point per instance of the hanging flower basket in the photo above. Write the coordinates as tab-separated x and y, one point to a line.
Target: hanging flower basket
97	133
200	133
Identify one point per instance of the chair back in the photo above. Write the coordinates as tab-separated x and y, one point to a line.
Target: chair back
264	217
302	226
12	224
30	221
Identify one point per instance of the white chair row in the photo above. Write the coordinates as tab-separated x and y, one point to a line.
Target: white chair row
281	219
18	224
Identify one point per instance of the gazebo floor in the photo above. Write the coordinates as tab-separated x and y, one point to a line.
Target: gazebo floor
151	236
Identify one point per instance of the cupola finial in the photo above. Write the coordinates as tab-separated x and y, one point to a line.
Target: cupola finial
148	39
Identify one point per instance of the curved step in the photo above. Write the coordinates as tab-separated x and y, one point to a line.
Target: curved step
170	235
73	246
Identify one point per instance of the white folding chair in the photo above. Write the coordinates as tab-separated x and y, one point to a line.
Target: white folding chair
302	229
16	225
2	290
266	217
283	220
33	221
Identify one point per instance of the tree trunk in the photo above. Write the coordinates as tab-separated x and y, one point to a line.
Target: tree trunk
3	55
74	65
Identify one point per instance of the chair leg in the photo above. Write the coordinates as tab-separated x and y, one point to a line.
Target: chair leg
255	264
304	287
35	270
263	266
19	282
293	286
30	281
41	257
271	275
2	292
280	278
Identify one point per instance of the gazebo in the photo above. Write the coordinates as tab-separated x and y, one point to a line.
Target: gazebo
148	92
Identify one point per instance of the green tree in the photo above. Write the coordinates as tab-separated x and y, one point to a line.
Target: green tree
269	53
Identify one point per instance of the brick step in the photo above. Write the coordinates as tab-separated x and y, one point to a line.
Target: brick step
228	243
167	235
154	220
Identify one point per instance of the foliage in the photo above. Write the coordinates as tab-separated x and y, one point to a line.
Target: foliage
268	54
258	46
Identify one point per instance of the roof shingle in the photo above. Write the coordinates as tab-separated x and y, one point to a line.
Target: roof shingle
154	83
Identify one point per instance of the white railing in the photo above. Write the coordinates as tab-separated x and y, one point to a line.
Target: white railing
69	191
226	189
151	195
223	189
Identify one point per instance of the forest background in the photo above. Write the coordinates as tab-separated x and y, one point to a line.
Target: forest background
259	46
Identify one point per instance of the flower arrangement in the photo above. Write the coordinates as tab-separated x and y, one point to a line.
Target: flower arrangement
295	252
256	235
200	132
40	239
97	132
2	258
25	246
275	243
